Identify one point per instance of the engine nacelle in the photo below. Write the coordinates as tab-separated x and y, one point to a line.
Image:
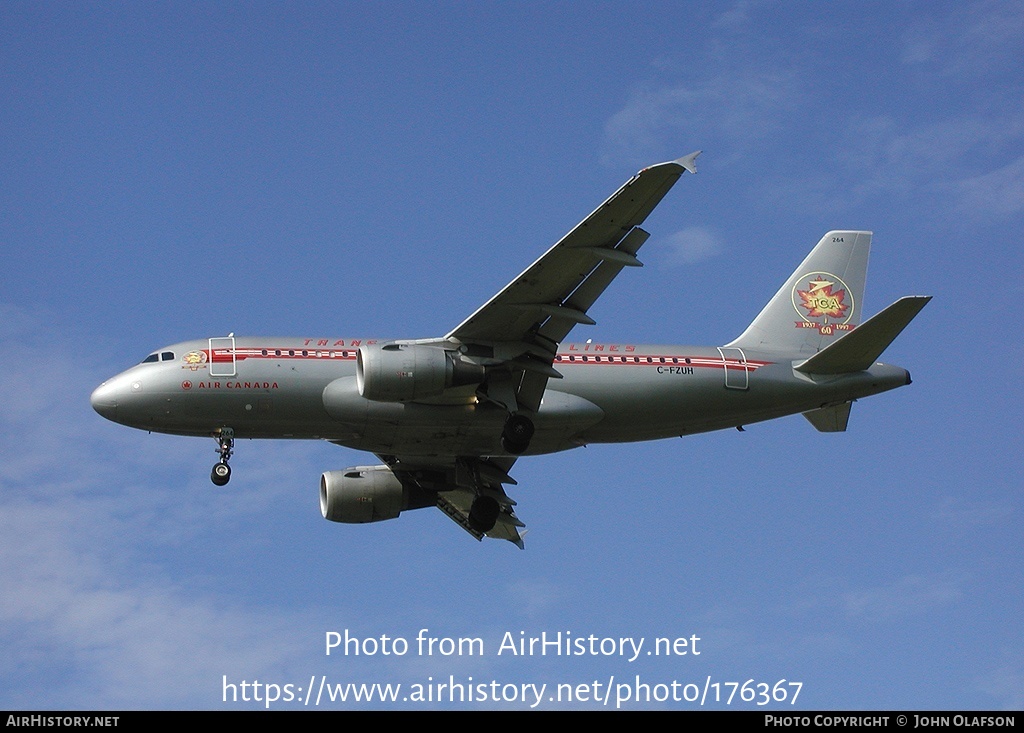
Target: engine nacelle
398	372
364	494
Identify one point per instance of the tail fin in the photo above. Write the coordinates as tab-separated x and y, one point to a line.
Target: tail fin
819	303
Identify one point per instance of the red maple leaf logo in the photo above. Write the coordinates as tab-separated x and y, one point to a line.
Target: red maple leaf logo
820	301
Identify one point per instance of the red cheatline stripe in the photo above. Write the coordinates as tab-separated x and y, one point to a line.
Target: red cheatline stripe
563	359
241	354
642	360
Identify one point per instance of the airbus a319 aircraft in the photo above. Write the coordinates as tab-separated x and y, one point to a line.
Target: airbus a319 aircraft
449	416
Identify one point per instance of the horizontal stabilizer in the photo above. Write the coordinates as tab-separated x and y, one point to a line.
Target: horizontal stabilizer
830	419
858	349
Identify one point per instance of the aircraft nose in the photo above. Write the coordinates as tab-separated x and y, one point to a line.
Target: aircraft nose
104	401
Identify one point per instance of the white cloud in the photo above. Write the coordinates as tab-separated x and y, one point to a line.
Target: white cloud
1006	684
910	595
962	514
934	162
727	111
119	641
973	40
692	245
961	156
1000	191
904	597
735	17
536	597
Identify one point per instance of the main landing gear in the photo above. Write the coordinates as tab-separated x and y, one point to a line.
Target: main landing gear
517	433
483	515
221	472
515	439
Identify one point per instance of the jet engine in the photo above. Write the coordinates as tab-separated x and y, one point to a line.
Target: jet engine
364	494
396	372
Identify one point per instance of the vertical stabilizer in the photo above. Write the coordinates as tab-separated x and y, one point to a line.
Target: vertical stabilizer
819	303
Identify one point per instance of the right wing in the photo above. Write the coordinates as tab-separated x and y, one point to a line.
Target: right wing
457	483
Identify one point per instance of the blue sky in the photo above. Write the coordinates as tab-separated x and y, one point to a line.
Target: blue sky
175	171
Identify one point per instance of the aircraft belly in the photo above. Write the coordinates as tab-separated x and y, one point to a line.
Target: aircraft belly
650	405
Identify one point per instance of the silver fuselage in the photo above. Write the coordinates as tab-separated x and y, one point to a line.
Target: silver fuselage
306	388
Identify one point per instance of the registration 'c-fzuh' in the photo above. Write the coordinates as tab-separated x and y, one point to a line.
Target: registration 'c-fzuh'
449	416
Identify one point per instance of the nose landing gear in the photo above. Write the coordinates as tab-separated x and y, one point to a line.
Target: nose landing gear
221	472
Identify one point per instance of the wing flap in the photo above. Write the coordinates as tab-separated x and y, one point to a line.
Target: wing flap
588	291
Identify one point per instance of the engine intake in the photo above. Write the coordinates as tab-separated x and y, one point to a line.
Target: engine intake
364	494
397	372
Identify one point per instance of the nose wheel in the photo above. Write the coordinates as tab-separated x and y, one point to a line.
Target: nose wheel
221	472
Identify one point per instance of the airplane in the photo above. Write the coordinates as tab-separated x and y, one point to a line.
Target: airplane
448	417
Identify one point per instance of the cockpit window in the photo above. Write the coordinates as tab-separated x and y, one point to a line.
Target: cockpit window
150	358
167	356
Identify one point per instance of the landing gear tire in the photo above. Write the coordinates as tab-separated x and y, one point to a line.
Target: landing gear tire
516	436
220	474
484	513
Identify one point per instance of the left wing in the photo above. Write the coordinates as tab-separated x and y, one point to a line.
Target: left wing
524	323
